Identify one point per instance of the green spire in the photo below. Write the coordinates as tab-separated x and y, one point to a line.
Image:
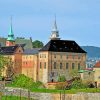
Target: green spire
10	34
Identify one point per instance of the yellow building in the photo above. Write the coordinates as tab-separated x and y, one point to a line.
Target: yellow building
59	57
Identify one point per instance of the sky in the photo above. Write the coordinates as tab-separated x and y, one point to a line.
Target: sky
77	20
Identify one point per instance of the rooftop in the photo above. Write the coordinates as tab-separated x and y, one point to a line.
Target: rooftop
62	46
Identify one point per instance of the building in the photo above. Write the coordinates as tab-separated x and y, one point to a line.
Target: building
59	57
97	73
11	40
14	54
30	63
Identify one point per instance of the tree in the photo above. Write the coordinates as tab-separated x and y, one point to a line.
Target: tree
37	44
3	63
74	74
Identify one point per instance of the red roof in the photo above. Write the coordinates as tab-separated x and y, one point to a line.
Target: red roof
97	65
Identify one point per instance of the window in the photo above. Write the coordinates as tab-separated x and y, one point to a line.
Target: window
54	65
61	56
40	65
45	55
67	56
73	56
78	66
54	55
73	65
40	55
45	65
60	65
79	56
66	65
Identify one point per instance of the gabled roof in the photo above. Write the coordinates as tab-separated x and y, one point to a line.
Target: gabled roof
31	51
97	65
8	50
62	46
28	42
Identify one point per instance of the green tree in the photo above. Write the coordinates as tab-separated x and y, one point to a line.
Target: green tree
3	63
37	44
74	73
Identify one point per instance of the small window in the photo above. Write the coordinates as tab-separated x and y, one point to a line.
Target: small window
66	65
61	56
54	65
40	65
40	55
66	56
60	65
79	56
73	65
54	55
45	55
45	65
73	56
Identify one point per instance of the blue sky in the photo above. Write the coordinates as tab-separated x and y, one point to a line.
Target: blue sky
77	20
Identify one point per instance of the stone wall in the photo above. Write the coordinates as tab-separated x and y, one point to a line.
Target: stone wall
49	96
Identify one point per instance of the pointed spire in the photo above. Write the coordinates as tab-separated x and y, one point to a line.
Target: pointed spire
55	32
11	31
10	34
55	26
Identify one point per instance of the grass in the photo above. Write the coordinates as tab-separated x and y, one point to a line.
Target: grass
71	91
13	98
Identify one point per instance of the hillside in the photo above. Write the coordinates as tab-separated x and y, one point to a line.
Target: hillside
92	51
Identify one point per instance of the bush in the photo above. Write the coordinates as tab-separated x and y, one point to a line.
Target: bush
25	82
78	84
61	78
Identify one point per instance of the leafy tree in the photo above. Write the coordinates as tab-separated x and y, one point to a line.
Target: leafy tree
3	63
74	74
37	44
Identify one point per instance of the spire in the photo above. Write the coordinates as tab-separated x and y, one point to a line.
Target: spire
55	26
10	34
55	32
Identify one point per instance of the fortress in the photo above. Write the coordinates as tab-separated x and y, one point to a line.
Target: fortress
58	57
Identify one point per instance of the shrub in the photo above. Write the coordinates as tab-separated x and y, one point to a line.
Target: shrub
25	82
78	84
61	78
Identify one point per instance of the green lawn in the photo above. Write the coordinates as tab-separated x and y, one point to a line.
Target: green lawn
13	98
71	91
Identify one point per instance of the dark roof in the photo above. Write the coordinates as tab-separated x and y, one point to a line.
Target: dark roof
62	46
8	50
31	51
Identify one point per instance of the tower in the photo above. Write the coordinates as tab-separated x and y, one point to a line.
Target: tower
10	40
55	32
